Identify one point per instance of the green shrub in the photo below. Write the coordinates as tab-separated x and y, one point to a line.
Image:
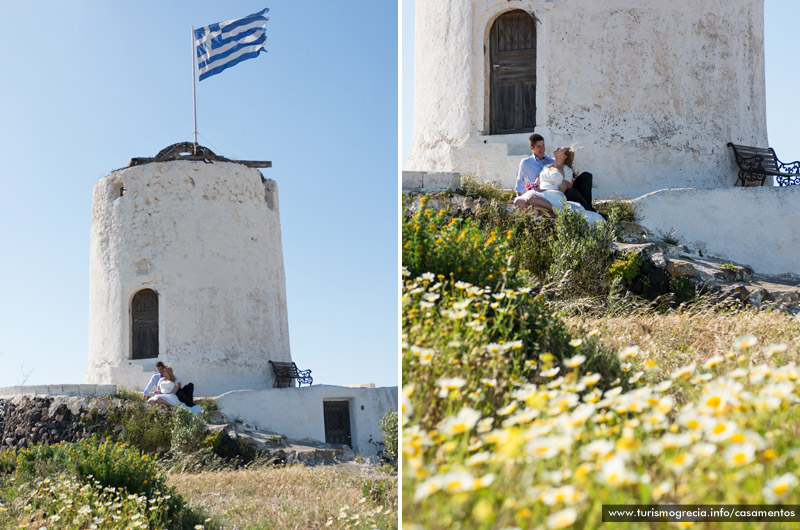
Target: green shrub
377	490
627	266
188	431
388	427
490	340
126	394
581	254
682	288
530	239
621	208
472	187
457	247
145	427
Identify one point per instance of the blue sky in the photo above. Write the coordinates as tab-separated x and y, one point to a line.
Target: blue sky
87	85
781	18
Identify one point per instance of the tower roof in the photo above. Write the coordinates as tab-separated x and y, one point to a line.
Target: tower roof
188	151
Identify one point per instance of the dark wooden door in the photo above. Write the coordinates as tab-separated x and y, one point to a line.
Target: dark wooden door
144	314
512	77
337	422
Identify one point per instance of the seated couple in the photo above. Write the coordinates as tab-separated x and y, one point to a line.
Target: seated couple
166	389
550	182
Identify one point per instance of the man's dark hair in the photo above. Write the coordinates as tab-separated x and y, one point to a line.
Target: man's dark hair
159	364
535	138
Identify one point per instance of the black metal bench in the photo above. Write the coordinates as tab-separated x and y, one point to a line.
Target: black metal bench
285	372
756	163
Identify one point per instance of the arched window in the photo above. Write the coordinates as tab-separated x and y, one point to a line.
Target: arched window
144	319
512	73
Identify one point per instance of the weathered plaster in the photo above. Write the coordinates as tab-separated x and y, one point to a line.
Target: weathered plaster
750	226
207	239
297	413
650	91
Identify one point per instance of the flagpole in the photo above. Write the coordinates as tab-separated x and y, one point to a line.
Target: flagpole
194	91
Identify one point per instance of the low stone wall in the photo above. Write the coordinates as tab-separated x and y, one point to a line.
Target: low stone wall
755	226
57	390
27	420
297	413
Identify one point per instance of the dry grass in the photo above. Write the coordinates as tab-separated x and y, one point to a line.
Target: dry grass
294	497
678	338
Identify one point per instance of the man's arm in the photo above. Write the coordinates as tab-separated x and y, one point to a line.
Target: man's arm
522	178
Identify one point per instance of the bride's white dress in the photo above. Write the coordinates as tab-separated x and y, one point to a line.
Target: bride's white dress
549	182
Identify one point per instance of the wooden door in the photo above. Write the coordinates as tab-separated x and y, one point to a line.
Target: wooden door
337	422
512	77
144	316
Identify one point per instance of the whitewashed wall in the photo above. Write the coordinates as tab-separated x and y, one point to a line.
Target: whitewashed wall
755	226
207	239
297	413
651	90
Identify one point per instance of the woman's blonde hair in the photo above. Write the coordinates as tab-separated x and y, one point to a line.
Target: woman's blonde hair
170	373
570	157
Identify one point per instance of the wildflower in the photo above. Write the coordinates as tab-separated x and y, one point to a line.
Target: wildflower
489	382
772	349
482	482
565	494
494	348
713	361
684	372
720	430
450	383
575	342
562	519
662	489
463	421
614	472
590	380
739	454
508	409
778	487
479	458
680	462
574	362
551	372
745	342
630	351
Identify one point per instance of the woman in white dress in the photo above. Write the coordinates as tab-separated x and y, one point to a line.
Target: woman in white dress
167	388
552	182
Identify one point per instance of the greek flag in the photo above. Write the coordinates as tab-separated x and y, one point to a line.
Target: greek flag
222	45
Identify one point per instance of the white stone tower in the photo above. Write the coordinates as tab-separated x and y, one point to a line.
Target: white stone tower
651	90
186	267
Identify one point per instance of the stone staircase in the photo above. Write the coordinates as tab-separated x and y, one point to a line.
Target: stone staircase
280	448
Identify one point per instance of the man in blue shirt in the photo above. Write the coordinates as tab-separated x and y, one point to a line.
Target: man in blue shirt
530	167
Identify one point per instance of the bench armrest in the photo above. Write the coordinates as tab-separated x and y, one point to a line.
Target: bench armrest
792	167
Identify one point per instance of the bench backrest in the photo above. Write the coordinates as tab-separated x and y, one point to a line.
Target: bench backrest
769	160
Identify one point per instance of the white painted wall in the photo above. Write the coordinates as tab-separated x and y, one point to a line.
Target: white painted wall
207	239
297	413
651	91
755	226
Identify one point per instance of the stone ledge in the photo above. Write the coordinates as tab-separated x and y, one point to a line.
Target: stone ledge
429	181
57	390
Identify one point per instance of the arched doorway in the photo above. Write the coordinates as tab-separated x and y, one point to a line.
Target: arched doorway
512	73
144	319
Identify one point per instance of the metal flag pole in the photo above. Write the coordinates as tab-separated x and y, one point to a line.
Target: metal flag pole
194	91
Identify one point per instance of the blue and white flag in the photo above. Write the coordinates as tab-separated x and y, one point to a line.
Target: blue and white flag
222	45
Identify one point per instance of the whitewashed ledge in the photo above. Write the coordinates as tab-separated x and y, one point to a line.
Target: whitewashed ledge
57	390
430	181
